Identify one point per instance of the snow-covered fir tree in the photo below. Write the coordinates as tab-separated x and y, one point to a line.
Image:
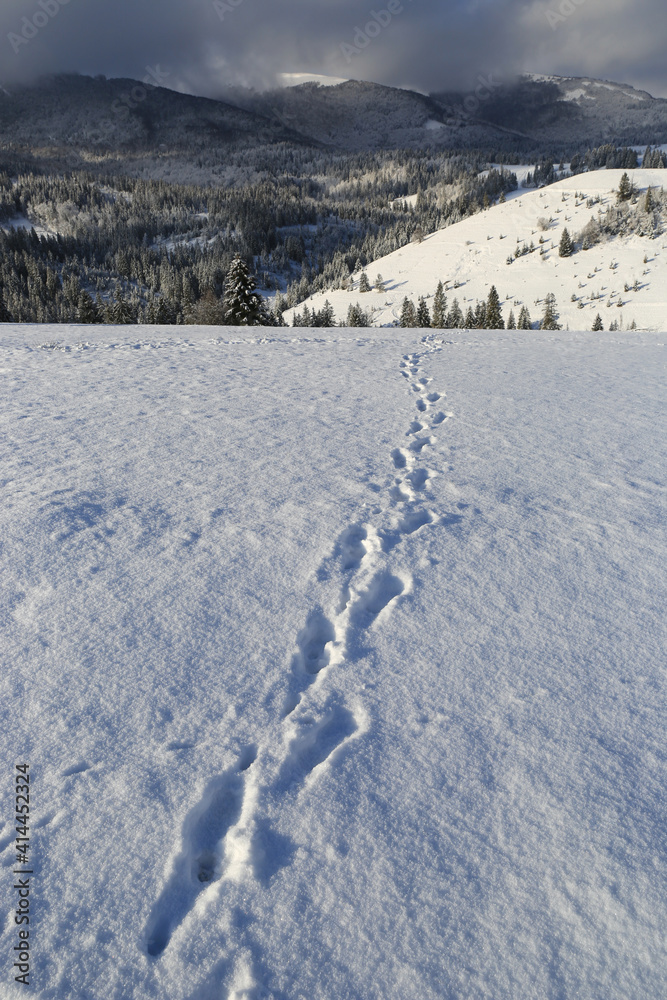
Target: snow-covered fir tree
550	317
408	315
565	247
493	318
242	304
439	317
423	314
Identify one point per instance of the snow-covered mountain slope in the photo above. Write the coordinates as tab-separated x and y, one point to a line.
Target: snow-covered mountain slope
72	113
337	661
85	116
357	115
471	256
566	111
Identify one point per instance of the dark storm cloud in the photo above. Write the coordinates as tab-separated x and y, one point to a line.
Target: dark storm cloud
425	44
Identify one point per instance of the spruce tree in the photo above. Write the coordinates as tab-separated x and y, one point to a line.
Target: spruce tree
408	315
325	316
625	189
598	324
493	319
439	318
525	322
87	309
480	316
649	203
356	316
5	315
120	312
242	304
511	322
550	318
423	314
379	284
470	322
565	246
455	318
364	284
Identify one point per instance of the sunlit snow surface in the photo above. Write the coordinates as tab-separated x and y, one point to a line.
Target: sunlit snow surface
338	662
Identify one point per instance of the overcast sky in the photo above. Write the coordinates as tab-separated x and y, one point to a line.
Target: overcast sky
424	44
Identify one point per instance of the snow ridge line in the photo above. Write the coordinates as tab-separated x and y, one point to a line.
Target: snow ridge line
219	838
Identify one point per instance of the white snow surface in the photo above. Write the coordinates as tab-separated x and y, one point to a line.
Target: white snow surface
471	255
338	660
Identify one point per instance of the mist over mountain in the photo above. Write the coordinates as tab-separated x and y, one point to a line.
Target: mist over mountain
76	119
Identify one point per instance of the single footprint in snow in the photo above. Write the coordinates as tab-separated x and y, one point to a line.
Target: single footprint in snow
415	427
400	458
382	590
352	546
398	495
418	478
198	863
433	397
316	742
421	405
439	418
415	520
420	443
312	641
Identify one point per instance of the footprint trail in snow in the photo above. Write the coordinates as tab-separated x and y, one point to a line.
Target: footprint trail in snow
229	820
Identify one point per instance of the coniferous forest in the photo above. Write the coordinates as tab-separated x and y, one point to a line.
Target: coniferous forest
94	247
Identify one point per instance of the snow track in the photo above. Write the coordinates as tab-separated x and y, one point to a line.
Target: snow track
304	739
341	667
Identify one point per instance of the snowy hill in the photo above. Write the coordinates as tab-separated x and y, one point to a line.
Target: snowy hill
337	661
567	111
471	256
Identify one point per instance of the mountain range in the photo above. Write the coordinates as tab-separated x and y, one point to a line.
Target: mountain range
79	118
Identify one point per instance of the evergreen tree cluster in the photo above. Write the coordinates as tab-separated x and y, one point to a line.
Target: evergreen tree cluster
654	159
482	316
607	156
155	252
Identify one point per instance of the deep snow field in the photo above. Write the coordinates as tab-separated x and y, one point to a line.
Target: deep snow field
338	659
471	255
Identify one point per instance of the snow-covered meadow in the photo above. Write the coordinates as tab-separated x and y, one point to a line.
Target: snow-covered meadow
338	659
